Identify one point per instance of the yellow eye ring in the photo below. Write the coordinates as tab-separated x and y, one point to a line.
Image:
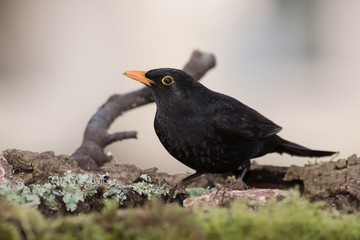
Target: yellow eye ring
167	80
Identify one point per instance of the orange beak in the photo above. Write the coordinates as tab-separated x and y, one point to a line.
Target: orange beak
139	76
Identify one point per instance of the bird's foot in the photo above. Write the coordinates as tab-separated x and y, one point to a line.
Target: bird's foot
238	185
177	188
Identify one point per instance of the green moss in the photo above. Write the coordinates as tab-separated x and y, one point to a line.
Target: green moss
157	221
291	218
20	222
198	191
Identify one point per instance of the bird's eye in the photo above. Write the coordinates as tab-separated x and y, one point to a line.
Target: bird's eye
167	80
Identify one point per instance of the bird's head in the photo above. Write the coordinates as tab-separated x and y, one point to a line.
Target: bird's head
167	83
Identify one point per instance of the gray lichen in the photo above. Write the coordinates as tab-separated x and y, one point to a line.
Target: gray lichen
149	189
19	195
72	189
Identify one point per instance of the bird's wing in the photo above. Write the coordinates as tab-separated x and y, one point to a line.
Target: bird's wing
245	122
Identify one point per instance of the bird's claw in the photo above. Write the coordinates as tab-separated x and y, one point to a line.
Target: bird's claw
238	185
172	193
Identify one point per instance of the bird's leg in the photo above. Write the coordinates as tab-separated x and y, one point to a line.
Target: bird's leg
239	184
182	183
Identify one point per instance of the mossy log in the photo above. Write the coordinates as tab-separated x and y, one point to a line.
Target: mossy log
335	182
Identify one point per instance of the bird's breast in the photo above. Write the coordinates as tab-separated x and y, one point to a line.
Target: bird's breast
195	142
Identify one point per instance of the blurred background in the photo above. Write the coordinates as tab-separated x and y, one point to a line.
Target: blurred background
296	62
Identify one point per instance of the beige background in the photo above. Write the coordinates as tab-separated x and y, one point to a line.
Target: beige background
297	62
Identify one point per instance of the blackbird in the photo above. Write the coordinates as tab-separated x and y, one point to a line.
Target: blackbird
208	131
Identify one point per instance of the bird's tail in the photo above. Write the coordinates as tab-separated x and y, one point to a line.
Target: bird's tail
297	150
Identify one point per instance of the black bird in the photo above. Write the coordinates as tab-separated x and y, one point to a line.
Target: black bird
208	131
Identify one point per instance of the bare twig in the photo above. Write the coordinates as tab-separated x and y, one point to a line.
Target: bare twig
90	155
